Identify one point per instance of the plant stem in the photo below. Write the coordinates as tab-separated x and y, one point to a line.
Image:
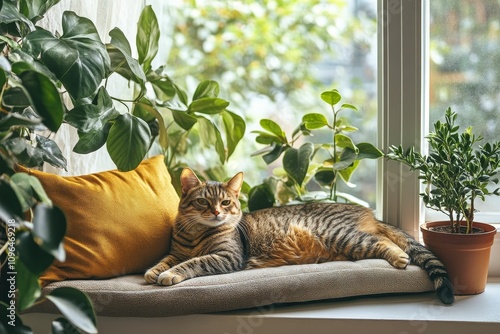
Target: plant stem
333	190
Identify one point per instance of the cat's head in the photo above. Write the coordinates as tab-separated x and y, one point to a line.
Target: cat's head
210	203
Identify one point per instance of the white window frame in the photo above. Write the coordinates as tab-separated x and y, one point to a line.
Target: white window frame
401	101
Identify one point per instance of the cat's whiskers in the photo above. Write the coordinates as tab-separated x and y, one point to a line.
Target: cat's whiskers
186	223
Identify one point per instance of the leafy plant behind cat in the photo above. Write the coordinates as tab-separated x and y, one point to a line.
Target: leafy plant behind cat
38	70
301	165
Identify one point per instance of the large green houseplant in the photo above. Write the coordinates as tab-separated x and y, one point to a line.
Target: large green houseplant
456	173
47	79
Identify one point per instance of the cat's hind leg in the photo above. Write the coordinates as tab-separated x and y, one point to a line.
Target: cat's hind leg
367	246
388	250
379	242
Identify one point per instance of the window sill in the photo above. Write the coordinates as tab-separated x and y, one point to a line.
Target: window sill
387	314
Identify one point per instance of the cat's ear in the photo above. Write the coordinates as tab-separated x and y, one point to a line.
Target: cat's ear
235	183
189	180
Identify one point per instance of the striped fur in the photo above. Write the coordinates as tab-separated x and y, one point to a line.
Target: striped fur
212	236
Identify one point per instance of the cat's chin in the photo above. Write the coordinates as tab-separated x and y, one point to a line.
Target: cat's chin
212	222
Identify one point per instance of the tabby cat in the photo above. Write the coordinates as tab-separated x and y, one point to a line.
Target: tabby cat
212	236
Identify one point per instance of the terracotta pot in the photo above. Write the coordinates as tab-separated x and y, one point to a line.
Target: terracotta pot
465	256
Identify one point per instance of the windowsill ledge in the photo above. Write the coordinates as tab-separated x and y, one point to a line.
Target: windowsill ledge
387	314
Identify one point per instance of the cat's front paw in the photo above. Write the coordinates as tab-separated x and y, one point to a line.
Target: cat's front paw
151	276
169	278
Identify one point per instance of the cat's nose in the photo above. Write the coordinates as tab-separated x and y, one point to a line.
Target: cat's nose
216	213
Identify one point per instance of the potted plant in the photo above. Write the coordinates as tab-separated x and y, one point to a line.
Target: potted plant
456	173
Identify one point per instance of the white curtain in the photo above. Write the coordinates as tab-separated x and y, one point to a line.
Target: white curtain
106	15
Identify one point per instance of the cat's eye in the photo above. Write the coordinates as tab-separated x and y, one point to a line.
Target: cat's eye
226	202
202	201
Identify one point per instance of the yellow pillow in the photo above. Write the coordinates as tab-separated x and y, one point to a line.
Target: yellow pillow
117	222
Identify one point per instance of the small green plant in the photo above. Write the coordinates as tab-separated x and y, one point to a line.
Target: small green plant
456	172
326	162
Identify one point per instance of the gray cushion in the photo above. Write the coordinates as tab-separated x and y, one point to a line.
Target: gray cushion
128	296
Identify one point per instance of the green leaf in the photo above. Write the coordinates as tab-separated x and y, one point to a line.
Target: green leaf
296	162
34	257
49	228
35	9
22	61
10	14
78	58
92	141
274	128
181	94
208	105
145	106
210	135
260	197
235	127
368	151
148	35
345	174
347	157
121	58
128	141
348	106
20	183
92	117
141	110
63	326
10	207
325	177
344	141
27	284
314	121
51	152
14	119
76	307
183	119
163	86
16	97
267	138
85	118
207	88
332	97
274	154
26	154
45	98
348	128
39	192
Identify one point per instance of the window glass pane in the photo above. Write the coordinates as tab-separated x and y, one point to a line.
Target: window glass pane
273	59
465	71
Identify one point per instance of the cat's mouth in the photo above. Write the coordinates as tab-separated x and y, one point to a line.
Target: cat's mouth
213	221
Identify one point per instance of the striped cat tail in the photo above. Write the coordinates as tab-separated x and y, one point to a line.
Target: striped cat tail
425	259
436	270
